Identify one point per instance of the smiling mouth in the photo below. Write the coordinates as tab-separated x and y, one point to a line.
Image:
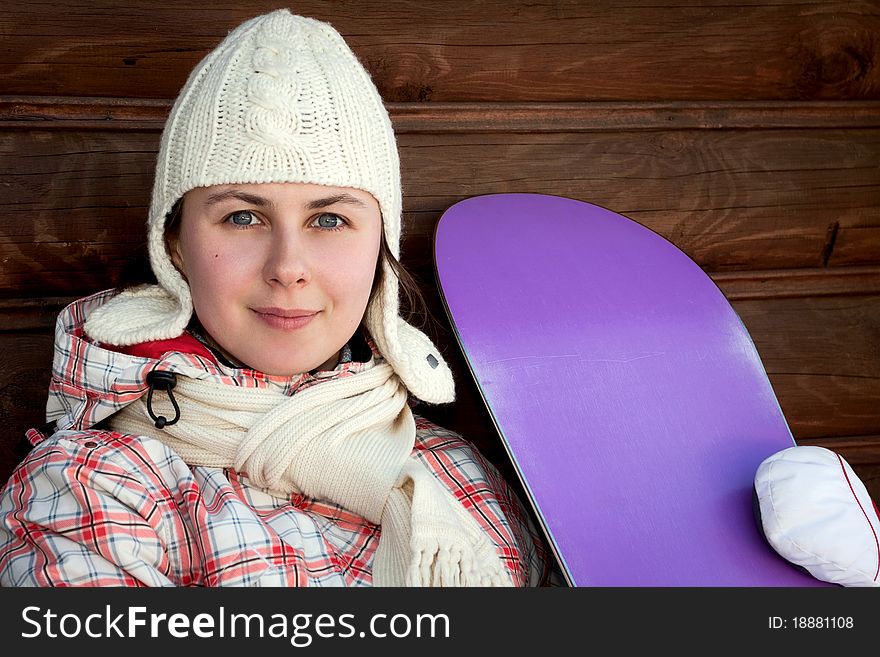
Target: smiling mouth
285	319
282	312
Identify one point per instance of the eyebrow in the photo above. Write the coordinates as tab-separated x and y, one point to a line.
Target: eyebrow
345	198
253	199
259	201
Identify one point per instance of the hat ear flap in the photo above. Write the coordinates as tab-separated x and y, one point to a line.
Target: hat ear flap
140	314
410	352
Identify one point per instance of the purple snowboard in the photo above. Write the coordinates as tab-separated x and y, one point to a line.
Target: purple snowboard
627	391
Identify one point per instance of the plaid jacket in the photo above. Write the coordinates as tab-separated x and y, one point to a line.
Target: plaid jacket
92	507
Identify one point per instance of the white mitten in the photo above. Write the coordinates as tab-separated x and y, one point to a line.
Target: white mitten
817	514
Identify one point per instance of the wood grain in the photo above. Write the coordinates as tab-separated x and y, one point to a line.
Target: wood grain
76	201
85	113
782	283
823	359
463	51
24	383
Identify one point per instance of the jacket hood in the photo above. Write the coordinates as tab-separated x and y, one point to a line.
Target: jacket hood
92	381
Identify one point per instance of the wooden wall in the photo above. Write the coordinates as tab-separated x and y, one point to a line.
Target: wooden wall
747	133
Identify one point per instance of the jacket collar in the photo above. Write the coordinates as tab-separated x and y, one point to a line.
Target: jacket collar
91	381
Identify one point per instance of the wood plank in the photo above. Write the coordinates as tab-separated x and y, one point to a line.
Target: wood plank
76	209
492	50
731	199
84	113
24	383
76	202
823	359
31	314
787	283
536	117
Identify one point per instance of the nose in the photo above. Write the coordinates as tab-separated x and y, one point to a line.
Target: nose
286	261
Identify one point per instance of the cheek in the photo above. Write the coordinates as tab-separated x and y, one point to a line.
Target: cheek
212	269
349	275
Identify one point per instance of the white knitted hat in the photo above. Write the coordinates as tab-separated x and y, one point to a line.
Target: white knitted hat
281	99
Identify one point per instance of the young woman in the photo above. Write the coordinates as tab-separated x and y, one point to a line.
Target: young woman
248	420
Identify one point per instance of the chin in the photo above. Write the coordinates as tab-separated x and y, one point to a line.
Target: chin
277	367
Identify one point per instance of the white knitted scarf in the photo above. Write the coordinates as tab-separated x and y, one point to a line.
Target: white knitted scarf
348	440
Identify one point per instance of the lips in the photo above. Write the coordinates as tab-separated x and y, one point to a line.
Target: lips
286	319
283	312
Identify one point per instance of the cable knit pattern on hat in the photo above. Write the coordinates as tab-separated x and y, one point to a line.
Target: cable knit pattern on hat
281	99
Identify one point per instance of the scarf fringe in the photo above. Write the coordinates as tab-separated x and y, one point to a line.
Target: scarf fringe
444	566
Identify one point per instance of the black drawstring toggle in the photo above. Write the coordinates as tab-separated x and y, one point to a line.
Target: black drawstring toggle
162	381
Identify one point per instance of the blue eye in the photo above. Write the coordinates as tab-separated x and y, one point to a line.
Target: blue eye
328	220
243	218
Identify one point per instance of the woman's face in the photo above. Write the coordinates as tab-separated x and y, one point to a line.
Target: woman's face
280	273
